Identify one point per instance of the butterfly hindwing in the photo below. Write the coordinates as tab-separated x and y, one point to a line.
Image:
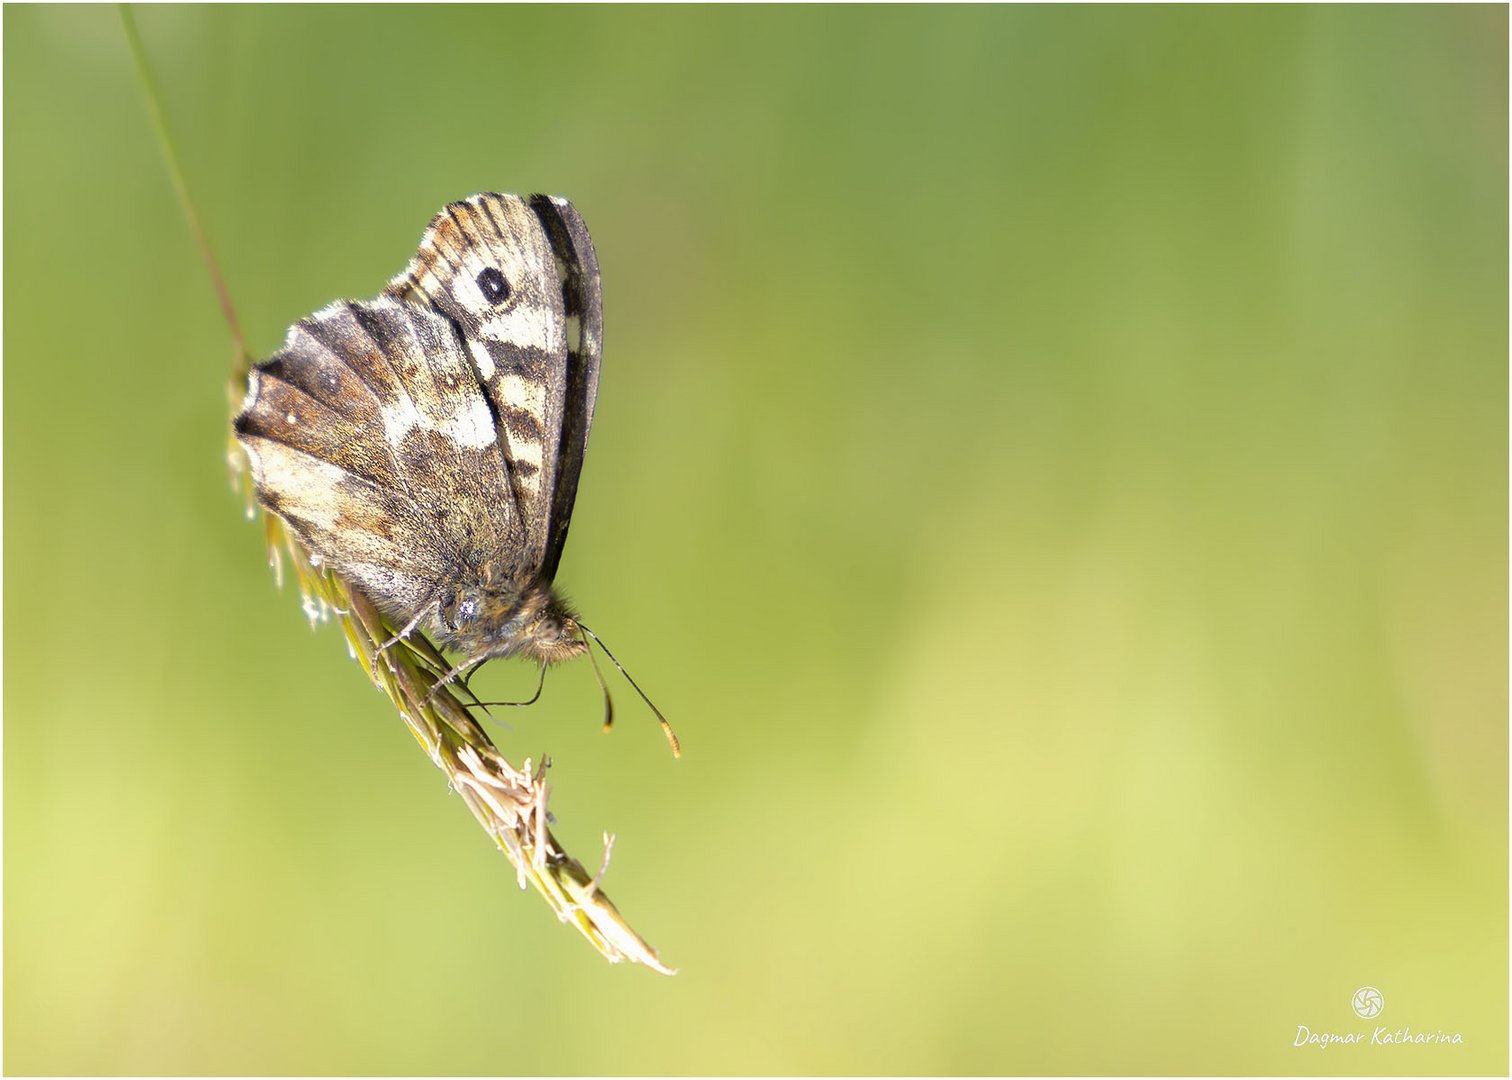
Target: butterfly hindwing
369	434
519	279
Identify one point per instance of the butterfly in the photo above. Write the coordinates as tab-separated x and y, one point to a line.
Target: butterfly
427	444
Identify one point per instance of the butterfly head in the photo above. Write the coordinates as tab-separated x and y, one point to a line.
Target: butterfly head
486	621
537	623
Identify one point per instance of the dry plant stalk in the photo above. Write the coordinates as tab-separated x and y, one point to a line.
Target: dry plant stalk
509	803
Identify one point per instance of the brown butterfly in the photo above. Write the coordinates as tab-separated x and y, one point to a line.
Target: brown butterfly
427	444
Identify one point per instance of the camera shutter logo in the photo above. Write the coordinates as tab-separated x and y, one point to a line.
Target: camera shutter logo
1367	1002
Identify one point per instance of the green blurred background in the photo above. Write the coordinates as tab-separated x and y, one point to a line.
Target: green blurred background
1050	464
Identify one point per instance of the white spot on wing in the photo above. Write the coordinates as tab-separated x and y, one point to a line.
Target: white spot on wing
303	484
473	428
527	324
531	397
254	380
463	418
528	396
482	360
399	420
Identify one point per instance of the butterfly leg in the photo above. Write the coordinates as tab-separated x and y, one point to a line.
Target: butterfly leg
425	661
458	672
430	667
409	628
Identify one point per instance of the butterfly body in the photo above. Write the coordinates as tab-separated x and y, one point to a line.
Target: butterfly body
427	443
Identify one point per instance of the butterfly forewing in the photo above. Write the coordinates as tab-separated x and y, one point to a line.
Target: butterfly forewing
489	265
578	264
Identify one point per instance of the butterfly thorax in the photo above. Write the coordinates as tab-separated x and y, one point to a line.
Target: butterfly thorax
486	620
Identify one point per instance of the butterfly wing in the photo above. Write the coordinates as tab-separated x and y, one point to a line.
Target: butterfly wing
520	280
585	345
369	434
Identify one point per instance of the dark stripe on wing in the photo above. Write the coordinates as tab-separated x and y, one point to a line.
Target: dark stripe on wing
451	212
582	299
340	329
312	365
284	413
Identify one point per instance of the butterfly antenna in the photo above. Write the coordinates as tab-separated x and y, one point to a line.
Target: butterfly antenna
666	727
599	675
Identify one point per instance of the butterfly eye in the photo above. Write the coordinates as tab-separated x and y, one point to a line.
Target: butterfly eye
495	289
